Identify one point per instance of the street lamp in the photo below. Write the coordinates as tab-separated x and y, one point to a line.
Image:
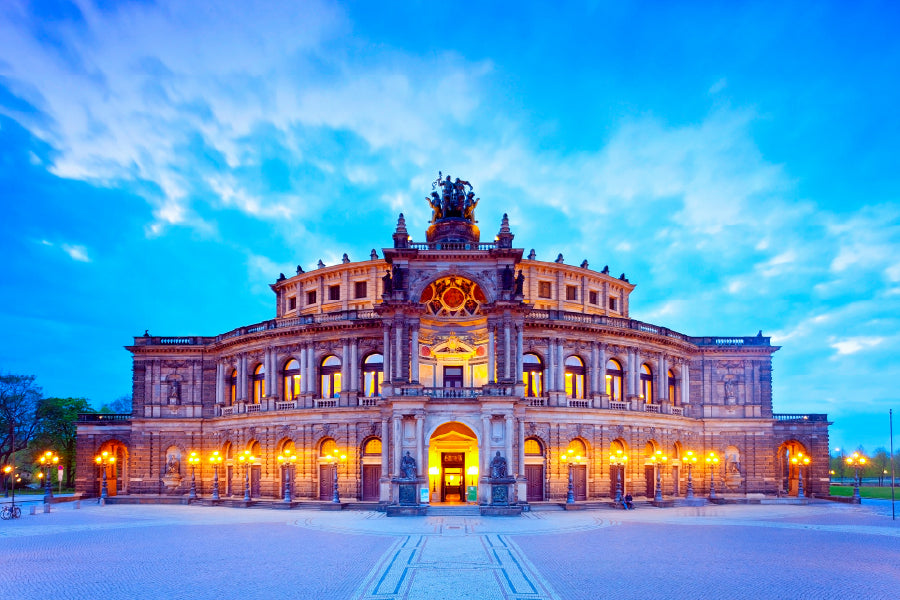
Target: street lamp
287	459
658	459
335	460
690	459
473	471
856	460
193	459
618	459
215	459
47	459
246	458
570	458
104	460
434	472
800	460
713	461
8	473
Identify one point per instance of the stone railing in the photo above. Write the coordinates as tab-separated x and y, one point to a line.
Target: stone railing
365	401
573	403
103	418
816	418
285	405
618	405
227	411
253	408
452	246
651	408
535	401
326	403
445	392
678	411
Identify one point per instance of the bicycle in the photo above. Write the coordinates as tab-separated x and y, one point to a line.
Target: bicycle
10	511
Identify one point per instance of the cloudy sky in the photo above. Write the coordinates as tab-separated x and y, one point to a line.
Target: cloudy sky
161	162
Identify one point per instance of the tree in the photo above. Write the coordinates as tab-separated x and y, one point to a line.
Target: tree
121	405
881	461
58	426
18	401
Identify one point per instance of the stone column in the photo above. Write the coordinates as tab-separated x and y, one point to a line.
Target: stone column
398	346
269	361
420	443
354	365
492	365
506	350
387	353
313	387
550	379
304	376
520	467
663	379
685	384
385	449
561	366
601	370
397	434
220	384
629	375
519	351
485	448
509	432
414	355
242	379
345	366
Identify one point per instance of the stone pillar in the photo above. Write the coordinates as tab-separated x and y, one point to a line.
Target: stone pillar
685	384
561	366
520	467
506	351
269	361
304	375
420	443
629	375
398	355
354	365
601	371
414	355
593	381
387	353
509	432
242	379
385	449
663	379
345	366
492	365
396	434
519	351
313	387
550	379
485	452
220	384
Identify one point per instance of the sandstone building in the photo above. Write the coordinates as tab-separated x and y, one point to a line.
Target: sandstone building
423	364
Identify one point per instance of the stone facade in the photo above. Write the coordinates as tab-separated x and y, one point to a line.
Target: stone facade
452	350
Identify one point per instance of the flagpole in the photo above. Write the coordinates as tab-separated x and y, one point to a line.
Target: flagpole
891	418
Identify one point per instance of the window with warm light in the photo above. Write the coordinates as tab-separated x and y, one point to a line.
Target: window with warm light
372	447
291	380
232	387
328	447
533	375
533	447
574	377
614	378
331	377
673	388
373	375
259	384
646	383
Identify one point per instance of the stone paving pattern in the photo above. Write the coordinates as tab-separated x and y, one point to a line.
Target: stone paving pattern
823	550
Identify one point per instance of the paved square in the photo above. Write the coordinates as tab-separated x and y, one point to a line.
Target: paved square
823	550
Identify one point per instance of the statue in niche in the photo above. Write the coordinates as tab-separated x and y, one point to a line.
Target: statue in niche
498	467
172	465
520	284
398	278
732	461
174	392
387	283
507	278
408	467
730	391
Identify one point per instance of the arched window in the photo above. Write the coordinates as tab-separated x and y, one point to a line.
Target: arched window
291	380
577	448
372	447
259	384
646	383
331	377
673	389
373	375
232	388
533	375
614	380
574	377
533	447
328	447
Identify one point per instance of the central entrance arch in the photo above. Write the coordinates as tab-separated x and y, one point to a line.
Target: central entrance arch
453	456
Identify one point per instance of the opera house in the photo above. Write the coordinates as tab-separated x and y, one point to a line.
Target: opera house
452	370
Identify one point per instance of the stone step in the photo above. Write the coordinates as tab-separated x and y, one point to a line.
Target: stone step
453	511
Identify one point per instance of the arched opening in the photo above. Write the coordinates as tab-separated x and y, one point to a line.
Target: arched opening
291	375
792	465
576	458
371	469
373	375
673	388
574	377
453	471
113	456
650	468
287	466
646	391
331	377
259	383
614	381
228	454
533	375
535	463
232	387
618	460
329	458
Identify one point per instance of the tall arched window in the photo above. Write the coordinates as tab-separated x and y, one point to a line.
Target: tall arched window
331	377
673	389
291	380
646	383
372	447
533	375
533	447
328	447
614	380
259	384
373	375
232	388
574	377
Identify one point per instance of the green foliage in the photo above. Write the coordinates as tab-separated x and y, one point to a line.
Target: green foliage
19	397
865	491
58	418
121	406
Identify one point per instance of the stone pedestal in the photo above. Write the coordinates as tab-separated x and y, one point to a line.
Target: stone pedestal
500	489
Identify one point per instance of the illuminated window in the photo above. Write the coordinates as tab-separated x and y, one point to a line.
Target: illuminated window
232	385
360	290
327	447
612	304
292	303
592	298
331	377
544	289
310	297
259	384
577	448
533	375
574	377
373	375
373	446
291	380
533	447
614	380
334	292
571	292
673	389
646	384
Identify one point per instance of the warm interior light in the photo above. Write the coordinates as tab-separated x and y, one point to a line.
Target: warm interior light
434	471
473	470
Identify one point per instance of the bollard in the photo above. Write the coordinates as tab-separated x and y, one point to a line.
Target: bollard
77	504
46	509
33	509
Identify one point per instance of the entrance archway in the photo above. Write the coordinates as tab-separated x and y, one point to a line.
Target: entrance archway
116	470
453	463
790	470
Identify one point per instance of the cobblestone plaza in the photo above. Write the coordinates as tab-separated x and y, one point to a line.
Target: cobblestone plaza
821	550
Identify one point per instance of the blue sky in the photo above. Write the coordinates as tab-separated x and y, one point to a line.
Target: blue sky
162	162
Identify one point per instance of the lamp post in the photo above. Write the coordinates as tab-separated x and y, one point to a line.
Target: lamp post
193	459
658	459
618	459
434	472
335	460
215	459
713	461
856	460
800	460
246	458
571	459
8	473
48	459
287	460
690	459
104	460
473	471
